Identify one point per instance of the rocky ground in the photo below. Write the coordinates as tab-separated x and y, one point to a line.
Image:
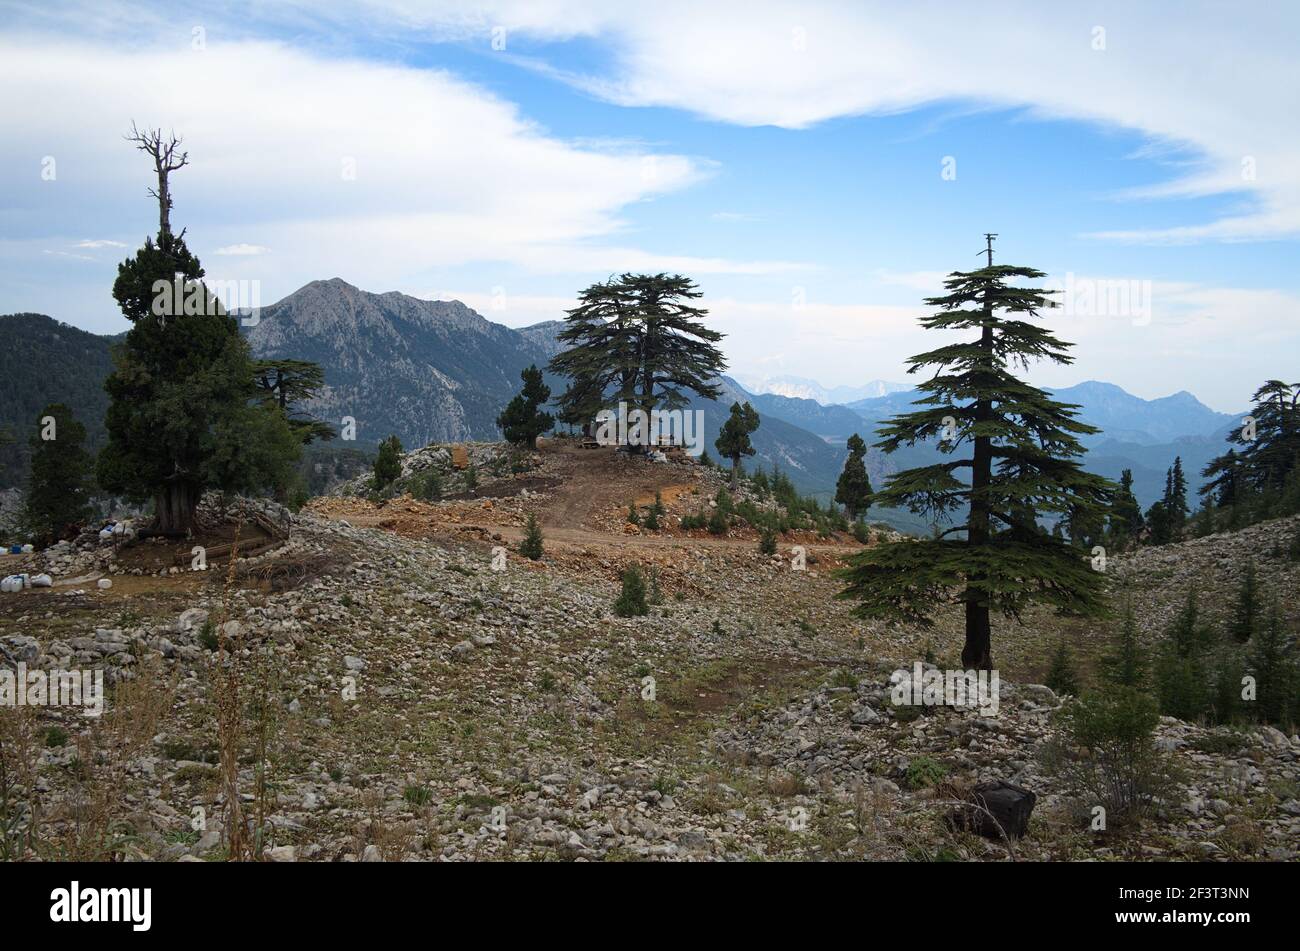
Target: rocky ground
398	699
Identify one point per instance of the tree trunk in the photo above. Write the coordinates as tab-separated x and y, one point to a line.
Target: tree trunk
174	509
735	473
976	655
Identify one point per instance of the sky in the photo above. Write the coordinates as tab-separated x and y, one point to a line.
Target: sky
816	167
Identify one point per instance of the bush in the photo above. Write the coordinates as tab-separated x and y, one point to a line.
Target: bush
718	522
632	515
923	772
427	487
531	546
767	542
632	599
861	533
1106	752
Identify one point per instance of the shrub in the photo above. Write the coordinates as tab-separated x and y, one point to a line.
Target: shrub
923	772
632	515
632	599
718	522
1105	751
767	542
427	487
531	546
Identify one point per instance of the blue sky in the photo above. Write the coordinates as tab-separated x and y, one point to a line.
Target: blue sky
789	157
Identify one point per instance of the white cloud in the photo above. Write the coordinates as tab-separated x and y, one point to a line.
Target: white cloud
1214	83
95	244
376	172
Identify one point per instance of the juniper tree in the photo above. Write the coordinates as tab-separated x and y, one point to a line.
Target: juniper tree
522	421
58	485
388	462
853	489
733	442
182	416
1022	465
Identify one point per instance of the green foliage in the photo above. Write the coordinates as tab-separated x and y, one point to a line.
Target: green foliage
181	417
286	383
531	546
637	338
426	486
388	463
1246	619
733	442
632	599
924	772
1125	521
853	490
1183	665
1022	466
1061	675
521	422
1168	517
1126	664
58	486
1120	769
1259	477
767	541
46	361
719	522
633	516
1277	680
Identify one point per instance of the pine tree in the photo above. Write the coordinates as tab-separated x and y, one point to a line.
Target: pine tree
1023	465
1125	513
1167	517
1061	676
733	442
521	422
1182	675
1245	621
182	417
1273	663
1126	664
632	599
531	546
1270	446
388	462
59	482
853	489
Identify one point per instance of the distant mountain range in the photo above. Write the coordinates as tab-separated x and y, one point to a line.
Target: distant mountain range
797	387
437	371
